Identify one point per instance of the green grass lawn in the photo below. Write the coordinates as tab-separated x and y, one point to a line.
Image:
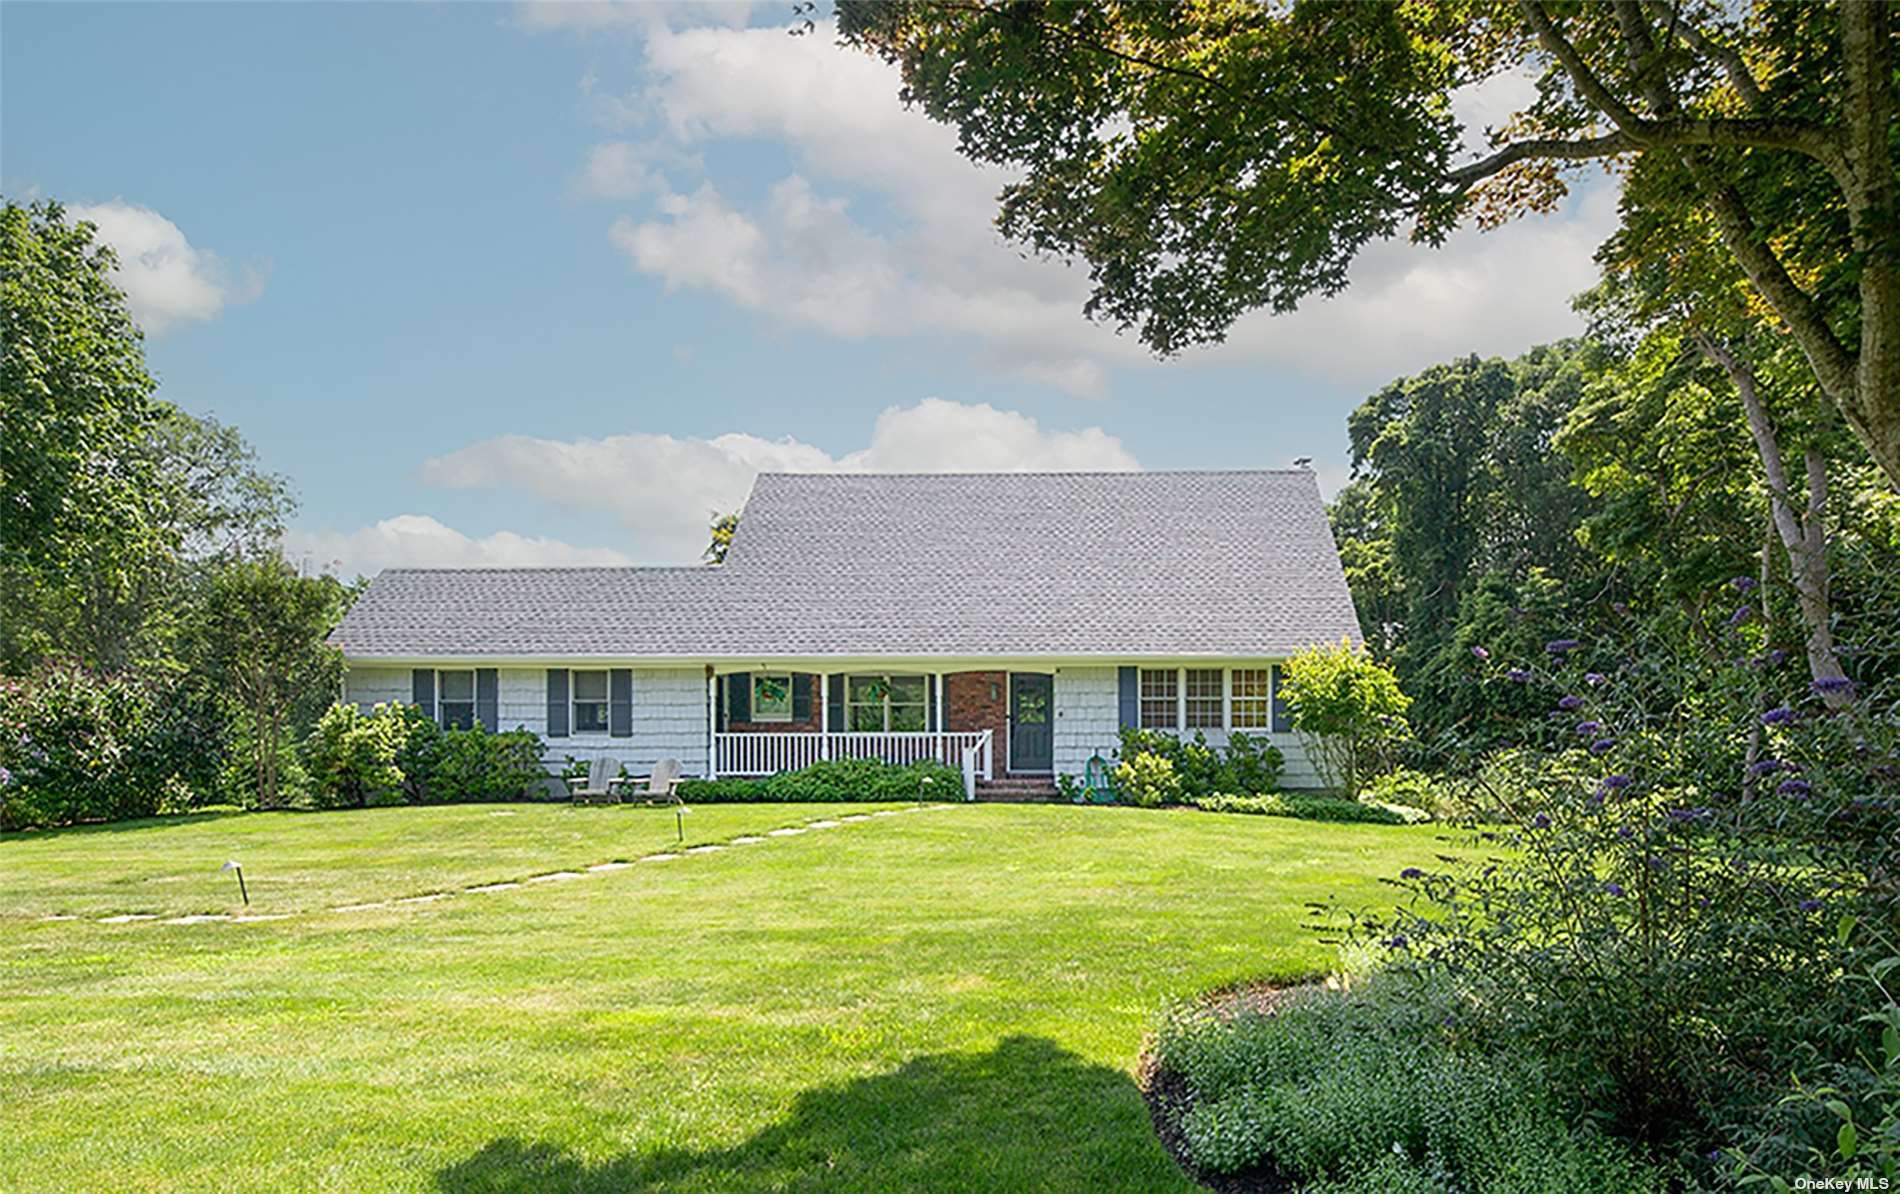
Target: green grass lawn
948	999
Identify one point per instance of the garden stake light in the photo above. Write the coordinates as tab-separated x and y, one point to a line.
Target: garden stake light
679	821
234	865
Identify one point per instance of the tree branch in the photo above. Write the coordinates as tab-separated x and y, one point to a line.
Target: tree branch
1724	56
1817	141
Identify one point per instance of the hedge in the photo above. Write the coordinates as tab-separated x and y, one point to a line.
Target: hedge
838	780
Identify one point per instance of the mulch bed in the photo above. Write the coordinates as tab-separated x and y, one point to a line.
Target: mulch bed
1169	1099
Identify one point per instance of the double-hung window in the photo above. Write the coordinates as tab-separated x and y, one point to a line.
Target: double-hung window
590	702
884	703
1252	698
1160	698
455	698
1203	693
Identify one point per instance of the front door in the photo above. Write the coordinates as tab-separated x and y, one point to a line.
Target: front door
1032	741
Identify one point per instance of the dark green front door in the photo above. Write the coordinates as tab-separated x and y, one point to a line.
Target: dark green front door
1032	740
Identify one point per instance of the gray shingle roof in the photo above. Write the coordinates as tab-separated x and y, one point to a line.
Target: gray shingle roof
1062	564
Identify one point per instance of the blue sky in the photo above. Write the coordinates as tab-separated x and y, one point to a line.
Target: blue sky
547	284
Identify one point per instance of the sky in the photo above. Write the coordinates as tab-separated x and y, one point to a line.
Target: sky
501	285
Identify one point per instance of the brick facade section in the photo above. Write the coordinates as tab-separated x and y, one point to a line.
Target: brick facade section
967	706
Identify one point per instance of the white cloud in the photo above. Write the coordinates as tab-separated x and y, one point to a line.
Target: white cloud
618	170
914	253
419	541
1408	307
166	281
666	490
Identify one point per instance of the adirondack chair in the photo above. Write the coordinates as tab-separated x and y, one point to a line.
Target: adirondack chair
601	784
662	785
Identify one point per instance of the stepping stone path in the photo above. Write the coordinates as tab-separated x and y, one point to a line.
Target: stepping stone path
198	918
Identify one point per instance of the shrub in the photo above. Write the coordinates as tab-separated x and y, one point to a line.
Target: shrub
1428	795
839	780
1375	1089
1247	764
1147	779
350	757
1349	711
1686	826
1300	805
353	757
476	765
76	745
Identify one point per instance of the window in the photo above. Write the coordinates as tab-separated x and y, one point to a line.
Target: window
590	702
771	696
1203	698
1253	699
1159	710
455	699
880	703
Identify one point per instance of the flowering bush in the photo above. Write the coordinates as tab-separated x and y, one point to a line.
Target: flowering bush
1687	825
1302	806
397	752
1246	764
350	756
1148	780
76	745
1348	710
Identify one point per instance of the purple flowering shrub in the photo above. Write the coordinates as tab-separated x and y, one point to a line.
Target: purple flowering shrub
1676	837
76	745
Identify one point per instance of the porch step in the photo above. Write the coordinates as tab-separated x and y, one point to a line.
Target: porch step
1019	789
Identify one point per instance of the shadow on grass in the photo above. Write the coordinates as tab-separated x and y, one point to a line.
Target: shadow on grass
162	821
1026	1115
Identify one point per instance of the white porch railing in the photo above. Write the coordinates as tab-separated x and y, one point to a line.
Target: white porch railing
772	752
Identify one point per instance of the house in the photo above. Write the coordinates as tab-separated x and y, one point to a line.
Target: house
1009	622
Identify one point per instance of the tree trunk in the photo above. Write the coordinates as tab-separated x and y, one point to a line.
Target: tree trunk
1803	535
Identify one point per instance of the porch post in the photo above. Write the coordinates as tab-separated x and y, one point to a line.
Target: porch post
942	719
712	723
824	715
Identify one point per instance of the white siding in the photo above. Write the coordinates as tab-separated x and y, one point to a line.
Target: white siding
669	713
369	686
1087	718
1088	721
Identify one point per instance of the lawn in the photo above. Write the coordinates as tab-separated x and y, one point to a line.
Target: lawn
953	998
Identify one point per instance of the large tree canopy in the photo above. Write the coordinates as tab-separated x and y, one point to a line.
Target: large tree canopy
1210	158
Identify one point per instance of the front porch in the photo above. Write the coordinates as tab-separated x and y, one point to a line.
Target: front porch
986	723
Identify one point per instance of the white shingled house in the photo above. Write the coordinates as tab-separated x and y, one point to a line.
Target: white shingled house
1011	623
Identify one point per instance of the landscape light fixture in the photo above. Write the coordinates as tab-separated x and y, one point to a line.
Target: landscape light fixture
237	866
679	821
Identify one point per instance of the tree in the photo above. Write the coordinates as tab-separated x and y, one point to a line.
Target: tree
81	529
1348	709
1457	491
262	658
724	527
111	500
1210	159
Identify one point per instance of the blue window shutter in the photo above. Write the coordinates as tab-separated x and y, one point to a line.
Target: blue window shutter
801	696
1127	697
1281	722
487	697
557	702
835	706
422	689
620	702
739	696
